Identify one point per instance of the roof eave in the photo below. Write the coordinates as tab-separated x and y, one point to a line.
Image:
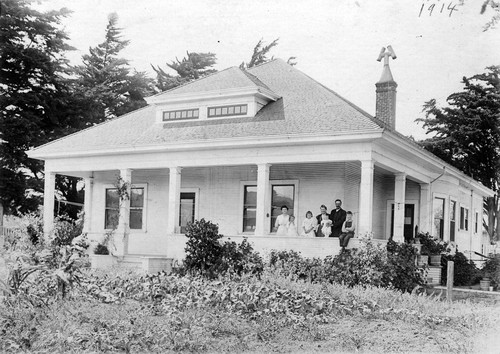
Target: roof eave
368	135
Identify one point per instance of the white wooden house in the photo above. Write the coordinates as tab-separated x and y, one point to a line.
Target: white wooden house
234	146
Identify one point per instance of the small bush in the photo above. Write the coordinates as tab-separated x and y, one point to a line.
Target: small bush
491	268
465	271
101	249
402	271
207	255
431	245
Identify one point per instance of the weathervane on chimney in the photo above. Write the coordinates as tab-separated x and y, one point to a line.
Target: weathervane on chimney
386	54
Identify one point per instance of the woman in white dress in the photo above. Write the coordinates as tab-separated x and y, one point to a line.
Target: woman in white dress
281	223
309	225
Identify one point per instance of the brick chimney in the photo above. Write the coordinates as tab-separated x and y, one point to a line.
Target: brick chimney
385	109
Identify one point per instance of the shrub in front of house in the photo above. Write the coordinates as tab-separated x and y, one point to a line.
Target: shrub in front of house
491	269
369	265
207	255
402	271
465	271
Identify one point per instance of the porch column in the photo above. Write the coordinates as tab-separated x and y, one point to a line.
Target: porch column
48	202
365	217
174	196
262	217
425	208
399	207
87	203
123	229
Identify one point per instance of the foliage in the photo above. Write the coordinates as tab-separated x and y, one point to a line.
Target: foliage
491	269
106	82
432	245
260	52
192	67
41	272
101	249
402	270
368	265
207	255
466	133
495	6
127	312
465	271
37	103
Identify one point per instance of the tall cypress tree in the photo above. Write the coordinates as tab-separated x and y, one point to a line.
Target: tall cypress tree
106	80
36	102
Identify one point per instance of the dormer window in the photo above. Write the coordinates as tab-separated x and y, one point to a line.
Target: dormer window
181	114
225	111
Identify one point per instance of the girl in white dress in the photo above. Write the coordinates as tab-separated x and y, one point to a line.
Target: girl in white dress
281	223
292	228
309	225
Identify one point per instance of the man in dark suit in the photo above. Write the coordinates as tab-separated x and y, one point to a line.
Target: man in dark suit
337	216
323	209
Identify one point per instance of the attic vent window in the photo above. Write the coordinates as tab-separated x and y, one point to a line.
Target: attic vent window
181	114
224	111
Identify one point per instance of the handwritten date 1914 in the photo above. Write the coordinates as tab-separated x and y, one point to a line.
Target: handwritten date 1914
436	7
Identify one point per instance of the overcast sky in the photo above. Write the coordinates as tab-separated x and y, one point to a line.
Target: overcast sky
335	42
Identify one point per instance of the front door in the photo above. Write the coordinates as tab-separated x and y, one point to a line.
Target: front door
187	210
409	222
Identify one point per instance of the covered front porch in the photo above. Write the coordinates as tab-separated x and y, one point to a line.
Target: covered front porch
244	201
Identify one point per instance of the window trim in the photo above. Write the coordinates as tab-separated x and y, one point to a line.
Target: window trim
465	218
476	227
196	192
457	222
210	116
272	182
180	110
144	208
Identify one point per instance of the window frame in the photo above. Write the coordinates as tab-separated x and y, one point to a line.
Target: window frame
197	109
456	224
271	183
196	192
464	218
443	219
212	116
144	207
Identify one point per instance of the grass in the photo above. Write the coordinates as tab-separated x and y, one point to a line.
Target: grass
190	317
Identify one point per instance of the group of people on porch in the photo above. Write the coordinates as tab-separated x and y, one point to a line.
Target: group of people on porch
337	223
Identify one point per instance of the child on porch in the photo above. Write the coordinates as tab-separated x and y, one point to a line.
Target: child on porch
292	228
347	231
326	225
309	224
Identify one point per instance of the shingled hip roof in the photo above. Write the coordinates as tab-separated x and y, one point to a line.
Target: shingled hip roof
306	108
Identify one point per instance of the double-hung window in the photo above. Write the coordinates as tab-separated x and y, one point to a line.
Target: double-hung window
464	219
438	212
112	208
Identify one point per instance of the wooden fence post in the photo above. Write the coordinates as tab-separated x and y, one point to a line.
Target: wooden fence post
449	281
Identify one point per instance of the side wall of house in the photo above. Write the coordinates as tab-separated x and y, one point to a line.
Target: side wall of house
468	233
